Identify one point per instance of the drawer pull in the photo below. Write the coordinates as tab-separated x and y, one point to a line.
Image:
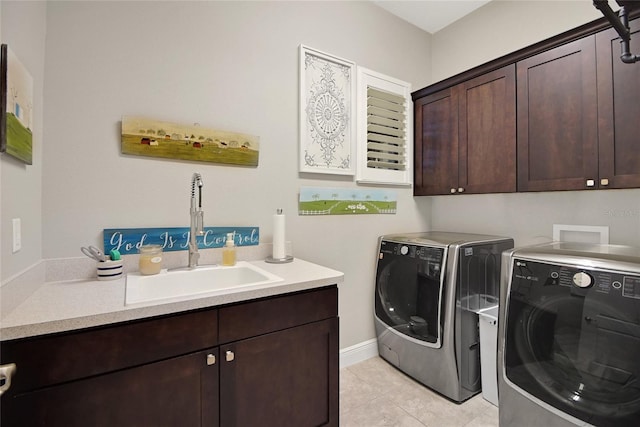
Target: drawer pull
230	356
211	359
6	372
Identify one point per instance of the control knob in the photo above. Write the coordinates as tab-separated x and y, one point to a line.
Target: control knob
582	280
404	250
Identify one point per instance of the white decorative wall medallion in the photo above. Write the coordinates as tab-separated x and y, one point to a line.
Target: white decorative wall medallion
327	125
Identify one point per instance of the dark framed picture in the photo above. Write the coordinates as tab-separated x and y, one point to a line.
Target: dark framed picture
16	101
3	98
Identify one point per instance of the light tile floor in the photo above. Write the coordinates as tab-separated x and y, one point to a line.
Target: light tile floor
374	393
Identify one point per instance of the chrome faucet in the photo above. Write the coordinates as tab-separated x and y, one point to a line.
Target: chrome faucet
197	220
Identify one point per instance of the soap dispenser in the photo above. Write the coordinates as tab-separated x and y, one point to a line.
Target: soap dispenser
229	251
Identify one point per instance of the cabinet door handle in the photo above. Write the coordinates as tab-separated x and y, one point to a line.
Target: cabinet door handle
211	359
460	190
591	183
6	372
453	190
604	182
229	356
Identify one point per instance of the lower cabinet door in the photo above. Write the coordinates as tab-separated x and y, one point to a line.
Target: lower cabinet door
181	391
285	378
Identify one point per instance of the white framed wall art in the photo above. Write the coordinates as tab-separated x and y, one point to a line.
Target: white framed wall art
327	121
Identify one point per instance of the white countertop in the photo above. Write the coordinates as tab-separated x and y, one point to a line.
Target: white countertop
76	304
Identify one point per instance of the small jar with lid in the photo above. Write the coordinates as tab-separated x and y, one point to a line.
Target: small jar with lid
150	259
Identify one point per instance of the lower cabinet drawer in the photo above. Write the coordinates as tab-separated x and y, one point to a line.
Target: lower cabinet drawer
273	314
54	359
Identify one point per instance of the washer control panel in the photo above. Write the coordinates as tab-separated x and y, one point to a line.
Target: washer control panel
601	281
425	253
630	286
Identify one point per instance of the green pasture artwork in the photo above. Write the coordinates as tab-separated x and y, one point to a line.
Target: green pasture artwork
17	107
346	201
148	137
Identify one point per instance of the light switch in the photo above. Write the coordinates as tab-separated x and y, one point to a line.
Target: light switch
17	235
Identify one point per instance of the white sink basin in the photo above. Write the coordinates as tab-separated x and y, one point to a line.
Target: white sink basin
196	283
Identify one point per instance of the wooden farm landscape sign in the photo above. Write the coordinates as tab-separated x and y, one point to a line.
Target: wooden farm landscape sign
346	201
148	137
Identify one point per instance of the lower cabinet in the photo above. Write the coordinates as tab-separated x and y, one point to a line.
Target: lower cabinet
281	379
268	362
181	391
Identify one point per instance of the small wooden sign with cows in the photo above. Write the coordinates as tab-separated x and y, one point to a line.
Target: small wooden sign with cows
148	137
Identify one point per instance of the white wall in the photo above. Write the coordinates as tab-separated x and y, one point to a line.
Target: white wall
23	30
226	65
496	29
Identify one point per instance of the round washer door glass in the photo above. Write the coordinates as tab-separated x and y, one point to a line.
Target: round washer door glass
408	290
573	341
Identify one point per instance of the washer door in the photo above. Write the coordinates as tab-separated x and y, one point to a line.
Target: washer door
409	289
573	341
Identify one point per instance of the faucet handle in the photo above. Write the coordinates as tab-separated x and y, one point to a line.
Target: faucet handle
200	223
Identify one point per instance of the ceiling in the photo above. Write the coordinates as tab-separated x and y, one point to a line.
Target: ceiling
431	15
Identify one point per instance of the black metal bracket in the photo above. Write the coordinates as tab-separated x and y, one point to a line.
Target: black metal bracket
620	23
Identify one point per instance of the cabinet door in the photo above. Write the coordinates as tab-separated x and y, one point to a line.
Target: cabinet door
285	378
436	143
487	129
181	391
557	118
619	93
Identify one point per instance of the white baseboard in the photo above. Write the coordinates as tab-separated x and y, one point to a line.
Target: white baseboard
358	353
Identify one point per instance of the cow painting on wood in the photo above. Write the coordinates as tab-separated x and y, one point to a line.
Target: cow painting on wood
149	137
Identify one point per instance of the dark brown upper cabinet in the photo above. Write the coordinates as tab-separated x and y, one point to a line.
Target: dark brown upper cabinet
575	119
436	143
557	118
488	133
465	137
618	112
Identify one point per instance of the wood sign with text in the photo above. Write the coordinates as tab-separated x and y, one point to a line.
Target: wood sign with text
128	240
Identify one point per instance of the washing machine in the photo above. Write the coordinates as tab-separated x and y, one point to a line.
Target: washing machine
569	336
429	289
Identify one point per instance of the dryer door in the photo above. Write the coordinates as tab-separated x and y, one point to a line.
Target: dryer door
409	290
573	341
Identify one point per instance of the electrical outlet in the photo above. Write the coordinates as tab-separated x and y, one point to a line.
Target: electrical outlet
17	235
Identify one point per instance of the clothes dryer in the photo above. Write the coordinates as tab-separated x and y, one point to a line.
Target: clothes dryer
429	288
569	336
